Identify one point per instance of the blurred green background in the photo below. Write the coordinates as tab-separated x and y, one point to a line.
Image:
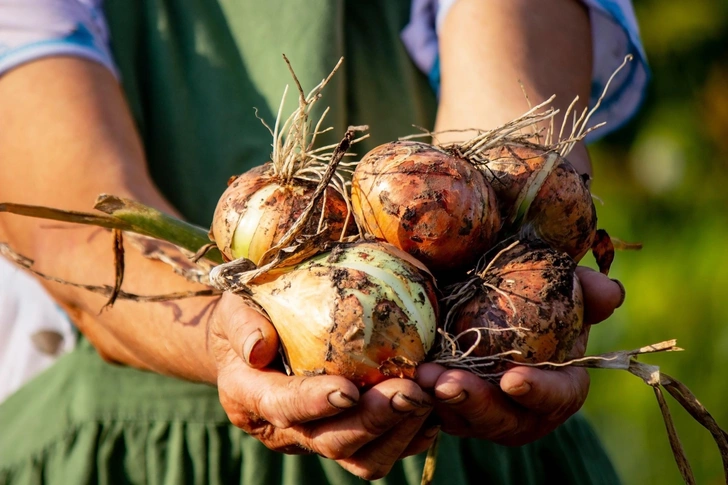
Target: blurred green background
663	180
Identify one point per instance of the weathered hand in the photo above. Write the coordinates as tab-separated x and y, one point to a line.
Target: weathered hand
365	433
530	402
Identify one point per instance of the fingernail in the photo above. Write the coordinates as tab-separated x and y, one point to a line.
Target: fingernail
624	292
457	399
250	344
431	432
405	404
520	390
341	400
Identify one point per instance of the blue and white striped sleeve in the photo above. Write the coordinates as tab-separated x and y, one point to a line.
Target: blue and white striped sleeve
33	29
615	35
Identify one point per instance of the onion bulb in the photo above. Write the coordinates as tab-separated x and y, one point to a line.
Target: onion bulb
542	191
259	207
529	300
365	311
433	205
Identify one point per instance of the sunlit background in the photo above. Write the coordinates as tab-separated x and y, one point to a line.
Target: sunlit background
663	181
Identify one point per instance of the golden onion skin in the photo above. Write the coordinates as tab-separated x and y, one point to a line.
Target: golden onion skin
433	205
257	209
563	212
538	310
560	211
364	311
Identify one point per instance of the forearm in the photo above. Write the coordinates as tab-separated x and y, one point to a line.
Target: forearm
66	136
489	49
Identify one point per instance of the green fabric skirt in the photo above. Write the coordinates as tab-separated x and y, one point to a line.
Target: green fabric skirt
87	422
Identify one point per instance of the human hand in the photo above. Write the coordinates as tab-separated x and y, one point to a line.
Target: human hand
365	433
530	402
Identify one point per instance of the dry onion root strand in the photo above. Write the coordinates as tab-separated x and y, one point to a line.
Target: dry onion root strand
104	290
621	360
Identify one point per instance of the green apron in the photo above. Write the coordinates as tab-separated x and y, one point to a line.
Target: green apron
193	72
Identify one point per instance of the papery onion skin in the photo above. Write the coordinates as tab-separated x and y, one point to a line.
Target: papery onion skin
426	202
365	311
561	211
257	209
539	310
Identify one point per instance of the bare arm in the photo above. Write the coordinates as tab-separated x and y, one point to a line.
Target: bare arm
487	48
66	135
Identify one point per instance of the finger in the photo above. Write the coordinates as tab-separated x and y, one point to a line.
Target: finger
379	410
428	374
555	394
471	406
601	295
282	400
250	334
375	460
425	436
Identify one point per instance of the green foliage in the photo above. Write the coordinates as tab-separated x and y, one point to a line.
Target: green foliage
664	182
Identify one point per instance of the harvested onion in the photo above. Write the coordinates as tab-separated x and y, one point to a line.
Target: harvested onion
433	205
541	190
259	207
529	300
365	311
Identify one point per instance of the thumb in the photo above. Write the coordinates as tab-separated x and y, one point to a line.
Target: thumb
602	296
250	334
558	393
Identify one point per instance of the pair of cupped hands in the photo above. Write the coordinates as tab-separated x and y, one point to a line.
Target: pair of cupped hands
367	432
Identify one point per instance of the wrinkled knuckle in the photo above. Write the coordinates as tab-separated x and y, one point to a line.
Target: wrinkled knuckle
336	447
250	423
237	417
275	409
334	451
564	411
509	427
498	423
269	435
297	385
377	424
239	421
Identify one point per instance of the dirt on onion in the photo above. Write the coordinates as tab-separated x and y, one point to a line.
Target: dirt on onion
366	311
538	188
345	304
433	205
527	305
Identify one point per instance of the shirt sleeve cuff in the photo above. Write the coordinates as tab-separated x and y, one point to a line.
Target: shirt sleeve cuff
34	29
616	35
54	48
